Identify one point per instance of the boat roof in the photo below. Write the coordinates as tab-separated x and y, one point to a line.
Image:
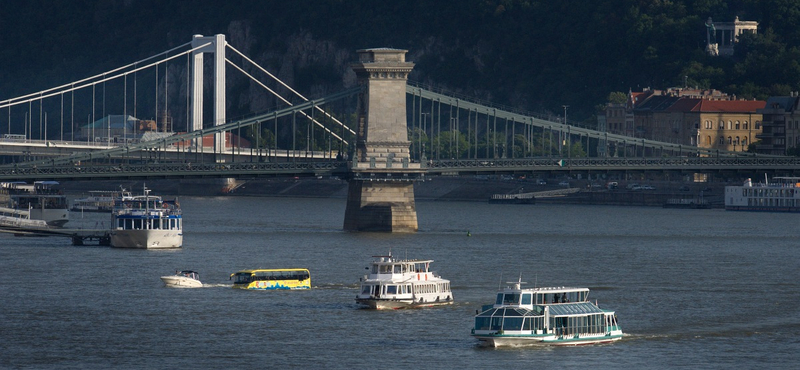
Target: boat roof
554	289
250	271
388	260
564	309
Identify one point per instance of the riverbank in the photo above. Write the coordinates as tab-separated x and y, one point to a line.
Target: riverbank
443	188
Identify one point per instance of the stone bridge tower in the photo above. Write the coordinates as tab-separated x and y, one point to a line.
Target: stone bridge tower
381	183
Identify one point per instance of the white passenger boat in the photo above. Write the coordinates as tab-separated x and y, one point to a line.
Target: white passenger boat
40	199
544	316
19	222
98	201
183	279
146	221
394	284
782	194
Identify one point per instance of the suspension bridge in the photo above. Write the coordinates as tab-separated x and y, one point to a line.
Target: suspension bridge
381	134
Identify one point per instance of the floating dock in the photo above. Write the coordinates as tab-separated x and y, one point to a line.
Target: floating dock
78	236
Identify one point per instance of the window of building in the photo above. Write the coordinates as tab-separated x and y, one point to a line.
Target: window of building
737	125
722	140
730	124
745	125
708	140
758	125
730	140
737	140
744	141
721	125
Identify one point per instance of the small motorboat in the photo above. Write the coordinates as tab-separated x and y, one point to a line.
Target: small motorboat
183	279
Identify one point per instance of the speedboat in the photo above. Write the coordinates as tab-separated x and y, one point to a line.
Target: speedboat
394	283
183	279
558	316
146	221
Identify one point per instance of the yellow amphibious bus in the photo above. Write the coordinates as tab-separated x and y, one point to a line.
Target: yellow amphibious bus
272	279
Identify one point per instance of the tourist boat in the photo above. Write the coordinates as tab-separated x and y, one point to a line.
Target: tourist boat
19	222
272	279
544	316
98	201
146	221
782	194
40	199
183	279
394	283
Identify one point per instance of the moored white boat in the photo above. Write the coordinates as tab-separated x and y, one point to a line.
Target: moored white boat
40	199
393	284
782	194
182	279
558	316
19	222
98	201
147	222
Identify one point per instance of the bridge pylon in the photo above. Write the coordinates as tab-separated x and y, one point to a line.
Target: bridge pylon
381	178
214	45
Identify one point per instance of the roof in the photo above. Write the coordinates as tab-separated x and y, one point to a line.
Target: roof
684	105
729	106
571	309
114	122
657	103
781	102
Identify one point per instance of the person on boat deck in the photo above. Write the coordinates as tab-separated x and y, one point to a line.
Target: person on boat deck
564	298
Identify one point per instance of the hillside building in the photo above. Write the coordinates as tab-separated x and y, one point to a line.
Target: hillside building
702	118
781	126
721	37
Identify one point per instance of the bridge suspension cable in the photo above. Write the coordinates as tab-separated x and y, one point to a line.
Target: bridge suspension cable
287	87
568	130
117	152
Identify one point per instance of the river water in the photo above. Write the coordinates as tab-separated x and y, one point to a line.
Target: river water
691	288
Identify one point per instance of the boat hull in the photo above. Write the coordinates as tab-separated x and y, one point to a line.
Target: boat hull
146	239
174	281
395	304
495	340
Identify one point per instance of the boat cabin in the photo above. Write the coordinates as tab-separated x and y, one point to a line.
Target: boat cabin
385	265
541	296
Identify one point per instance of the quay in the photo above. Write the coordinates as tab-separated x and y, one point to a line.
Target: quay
78	236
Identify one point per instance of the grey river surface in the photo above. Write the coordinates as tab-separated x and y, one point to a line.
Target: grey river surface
691	288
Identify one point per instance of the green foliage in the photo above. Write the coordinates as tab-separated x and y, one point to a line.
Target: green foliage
532	54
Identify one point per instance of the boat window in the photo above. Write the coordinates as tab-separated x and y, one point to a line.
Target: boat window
526	299
499	299
397	269
511	298
366	289
391	289
512	323
385	269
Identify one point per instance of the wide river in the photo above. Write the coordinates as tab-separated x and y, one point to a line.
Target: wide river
691	288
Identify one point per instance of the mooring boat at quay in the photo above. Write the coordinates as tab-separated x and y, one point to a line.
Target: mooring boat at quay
782	194
557	316
147	222
40	199
393	284
98	201
182	279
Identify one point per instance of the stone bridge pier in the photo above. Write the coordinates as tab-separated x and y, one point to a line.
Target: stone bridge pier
381	182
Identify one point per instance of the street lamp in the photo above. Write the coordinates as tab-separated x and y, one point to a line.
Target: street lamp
424	130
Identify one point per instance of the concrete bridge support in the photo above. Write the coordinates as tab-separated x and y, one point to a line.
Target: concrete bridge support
381	184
